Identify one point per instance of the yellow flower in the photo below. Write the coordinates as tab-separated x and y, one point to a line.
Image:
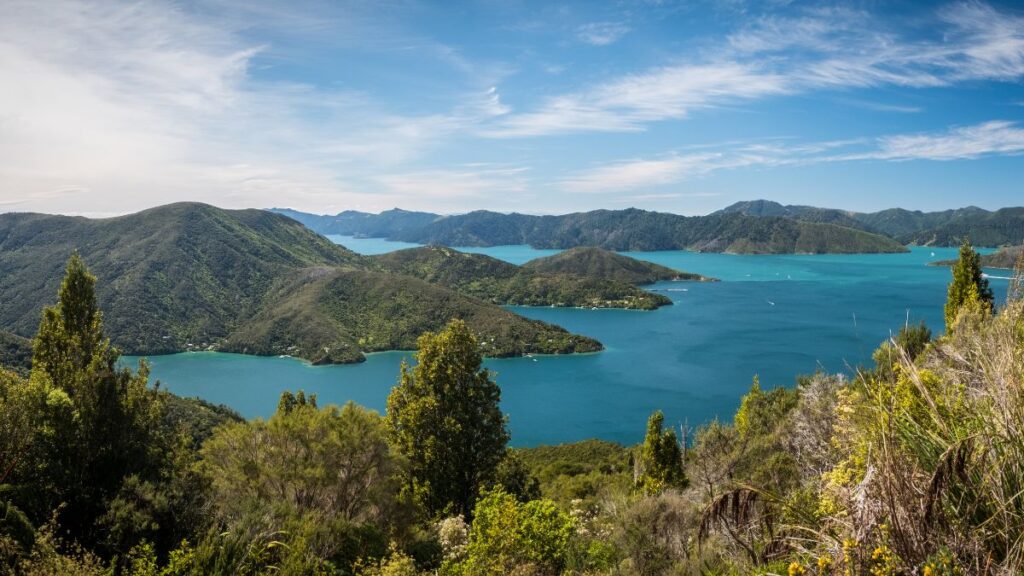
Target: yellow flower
795	569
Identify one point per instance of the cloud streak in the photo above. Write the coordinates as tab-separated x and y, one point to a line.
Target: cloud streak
994	138
601	33
826	49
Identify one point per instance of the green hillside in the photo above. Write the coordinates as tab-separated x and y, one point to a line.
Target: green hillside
15	352
621	230
942	228
600	263
500	282
1006	258
191	276
640	230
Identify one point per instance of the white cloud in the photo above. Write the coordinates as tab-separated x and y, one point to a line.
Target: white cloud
993	138
127	105
630	102
826	48
602	33
997	137
447	189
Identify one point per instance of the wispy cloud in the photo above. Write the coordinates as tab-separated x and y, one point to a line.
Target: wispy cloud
958	143
602	33
133	104
834	48
443	186
630	102
968	142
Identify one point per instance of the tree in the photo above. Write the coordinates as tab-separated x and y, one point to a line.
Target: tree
327	462
324	481
102	424
969	291
661	461
443	416
509	537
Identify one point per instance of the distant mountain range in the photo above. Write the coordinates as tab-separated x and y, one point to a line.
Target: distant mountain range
750	227
194	277
620	230
946	228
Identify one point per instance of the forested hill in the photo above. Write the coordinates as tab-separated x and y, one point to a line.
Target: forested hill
500	282
943	228
596	262
15	352
190	276
1004	258
362	224
621	230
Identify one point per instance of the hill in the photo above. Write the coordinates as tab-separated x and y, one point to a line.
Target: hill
600	263
15	352
1004	258
362	224
1000	228
805	213
942	228
631	229
190	276
500	282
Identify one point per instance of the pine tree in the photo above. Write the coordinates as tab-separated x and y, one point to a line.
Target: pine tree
116	428
969	290
661	460
443	416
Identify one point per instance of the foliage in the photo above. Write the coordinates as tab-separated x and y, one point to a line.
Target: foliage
513	476
93	426
580	471
15	352
306	466
660	464
510	537
443	416
969	291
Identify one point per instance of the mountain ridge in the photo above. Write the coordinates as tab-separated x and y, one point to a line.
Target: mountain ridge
190	276
630	229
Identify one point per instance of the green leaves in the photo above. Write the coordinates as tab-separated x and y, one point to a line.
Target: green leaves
661	461
969	292
508	535
444	417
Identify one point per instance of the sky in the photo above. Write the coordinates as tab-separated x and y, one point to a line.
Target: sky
537	107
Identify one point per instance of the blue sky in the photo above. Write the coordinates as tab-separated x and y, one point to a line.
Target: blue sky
539	107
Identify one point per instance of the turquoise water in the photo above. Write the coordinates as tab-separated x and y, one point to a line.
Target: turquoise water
775	316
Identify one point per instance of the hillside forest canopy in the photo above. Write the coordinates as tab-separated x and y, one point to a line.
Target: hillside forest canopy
913	465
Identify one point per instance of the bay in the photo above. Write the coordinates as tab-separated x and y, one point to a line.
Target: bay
771	316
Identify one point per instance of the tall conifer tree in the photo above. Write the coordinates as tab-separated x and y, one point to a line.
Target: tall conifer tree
969	289
444	418
661	459
116	427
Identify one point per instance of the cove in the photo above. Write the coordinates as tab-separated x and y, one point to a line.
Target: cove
771	316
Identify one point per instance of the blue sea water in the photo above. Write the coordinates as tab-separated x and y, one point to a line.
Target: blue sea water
771	316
